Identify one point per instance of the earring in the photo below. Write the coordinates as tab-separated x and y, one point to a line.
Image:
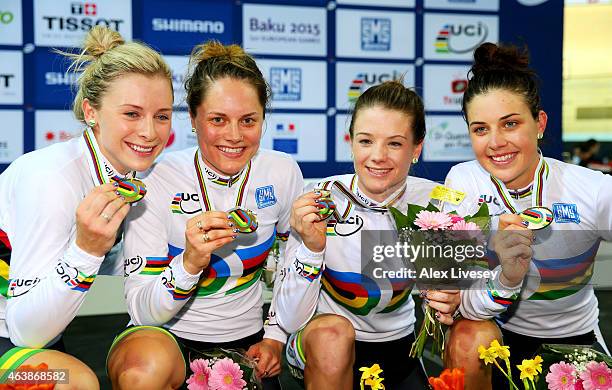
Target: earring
415	160
91	122
193	129
540	135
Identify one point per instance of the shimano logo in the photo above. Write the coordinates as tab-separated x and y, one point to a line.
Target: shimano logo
58	78
188	25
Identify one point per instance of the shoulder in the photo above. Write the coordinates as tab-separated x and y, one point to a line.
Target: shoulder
468	168
171	165
275	159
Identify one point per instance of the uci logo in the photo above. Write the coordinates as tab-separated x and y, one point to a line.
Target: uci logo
488	199
346	228
132	265
375	34
182	203
19	287
461	38
364	80
286	83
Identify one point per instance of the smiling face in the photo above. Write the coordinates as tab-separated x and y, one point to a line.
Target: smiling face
229	123
133	120
504	136
383	148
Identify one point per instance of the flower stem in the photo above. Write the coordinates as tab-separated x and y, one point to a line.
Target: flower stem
509	377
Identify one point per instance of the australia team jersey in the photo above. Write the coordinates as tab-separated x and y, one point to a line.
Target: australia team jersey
556	298
332	281
224	302
49	274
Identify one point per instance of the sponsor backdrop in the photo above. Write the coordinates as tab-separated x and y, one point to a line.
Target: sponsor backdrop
317	55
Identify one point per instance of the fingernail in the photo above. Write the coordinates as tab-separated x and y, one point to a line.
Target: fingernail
116	184
235	236
230	224
426	300
525	223
437	314
236	230
123	198
229	217
117	192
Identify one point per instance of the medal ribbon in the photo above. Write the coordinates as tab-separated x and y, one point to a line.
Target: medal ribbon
349	194
98	163
204	198
539	188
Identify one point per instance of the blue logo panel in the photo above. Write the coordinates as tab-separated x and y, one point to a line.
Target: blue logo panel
264	196
566	213
178	28
376	34
286	83
53	85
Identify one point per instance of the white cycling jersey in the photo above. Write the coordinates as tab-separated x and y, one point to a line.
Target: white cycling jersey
556	298
223	303
49	274
333	282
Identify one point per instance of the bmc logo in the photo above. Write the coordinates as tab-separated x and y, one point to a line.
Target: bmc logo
376	34
286	83
88	9
566	213
264	196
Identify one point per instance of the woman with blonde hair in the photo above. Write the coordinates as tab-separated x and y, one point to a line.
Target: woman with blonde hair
61	207
193	275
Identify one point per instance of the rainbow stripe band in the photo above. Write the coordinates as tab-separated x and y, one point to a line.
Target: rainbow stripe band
541	174
306	271
100	175
498	298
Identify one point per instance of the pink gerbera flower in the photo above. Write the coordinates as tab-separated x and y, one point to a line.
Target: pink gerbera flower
201	374
578	385
468	230
561	376
597	376
226	375
432	220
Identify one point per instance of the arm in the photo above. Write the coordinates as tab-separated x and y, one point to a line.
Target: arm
50	272
157	284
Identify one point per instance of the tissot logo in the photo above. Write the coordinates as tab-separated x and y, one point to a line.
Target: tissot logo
6	17
5	80
366	79
286	83
461	37
81	19
457	87
376	34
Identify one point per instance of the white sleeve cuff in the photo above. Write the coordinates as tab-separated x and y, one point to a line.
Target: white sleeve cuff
182	278
275	332
502	289
86	263
309	257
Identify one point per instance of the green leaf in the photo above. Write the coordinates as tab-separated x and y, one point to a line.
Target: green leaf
401	220
413	210
432	207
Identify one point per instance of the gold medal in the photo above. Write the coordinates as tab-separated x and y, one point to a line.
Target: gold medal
537	217
132	190
325	204
244	220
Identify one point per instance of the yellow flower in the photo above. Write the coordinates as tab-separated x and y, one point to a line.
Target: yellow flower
370	372
502	351
530	368
487	354
375	383
538	363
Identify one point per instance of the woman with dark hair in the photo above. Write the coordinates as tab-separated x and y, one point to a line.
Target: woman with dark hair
542	294
340	318
193	274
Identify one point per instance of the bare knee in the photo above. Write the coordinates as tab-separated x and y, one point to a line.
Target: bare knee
79	375
146	360
467	335
329	343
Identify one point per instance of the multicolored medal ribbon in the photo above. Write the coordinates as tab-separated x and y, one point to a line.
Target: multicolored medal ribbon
352	199
103	172
538	217
244	219
326	204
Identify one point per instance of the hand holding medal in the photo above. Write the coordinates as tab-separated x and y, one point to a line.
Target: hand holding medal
132	190
512	244
204	234
308	216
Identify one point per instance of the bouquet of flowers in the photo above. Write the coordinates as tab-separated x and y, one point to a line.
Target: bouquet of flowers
444	233
572	367
222	369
